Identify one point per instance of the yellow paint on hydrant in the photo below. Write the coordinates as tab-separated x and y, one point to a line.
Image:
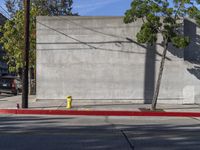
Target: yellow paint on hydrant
69	102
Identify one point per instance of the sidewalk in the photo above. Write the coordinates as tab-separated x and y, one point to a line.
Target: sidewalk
10	102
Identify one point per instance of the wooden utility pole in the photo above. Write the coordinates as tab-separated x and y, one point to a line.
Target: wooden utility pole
25	54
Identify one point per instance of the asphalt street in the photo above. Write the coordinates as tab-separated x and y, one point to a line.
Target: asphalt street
98	133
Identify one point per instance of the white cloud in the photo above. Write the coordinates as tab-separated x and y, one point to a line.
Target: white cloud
91	5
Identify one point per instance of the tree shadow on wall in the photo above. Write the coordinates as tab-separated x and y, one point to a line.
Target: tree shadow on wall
115	44
195	71
191	53
149	74
150	55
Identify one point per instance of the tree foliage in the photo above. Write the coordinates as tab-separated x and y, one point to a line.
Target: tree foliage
163	17
13	30
13	38
52	7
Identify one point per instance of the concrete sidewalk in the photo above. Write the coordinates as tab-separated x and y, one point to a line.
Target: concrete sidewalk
10	102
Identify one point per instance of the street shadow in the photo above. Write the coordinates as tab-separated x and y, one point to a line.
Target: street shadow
59	132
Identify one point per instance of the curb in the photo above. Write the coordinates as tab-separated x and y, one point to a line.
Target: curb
97	113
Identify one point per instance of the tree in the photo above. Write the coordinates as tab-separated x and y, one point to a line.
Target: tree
164	17
13	30
52	7
13	39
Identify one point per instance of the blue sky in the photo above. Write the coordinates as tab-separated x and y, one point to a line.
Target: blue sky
101	7
97	7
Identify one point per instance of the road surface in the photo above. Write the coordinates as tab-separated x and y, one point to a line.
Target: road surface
98	133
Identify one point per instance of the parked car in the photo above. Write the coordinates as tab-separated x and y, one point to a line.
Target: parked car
10	84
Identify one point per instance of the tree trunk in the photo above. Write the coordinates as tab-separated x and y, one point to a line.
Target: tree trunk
156	92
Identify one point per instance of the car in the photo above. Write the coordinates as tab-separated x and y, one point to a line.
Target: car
10	85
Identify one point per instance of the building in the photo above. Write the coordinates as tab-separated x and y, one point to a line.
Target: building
98	58
3	65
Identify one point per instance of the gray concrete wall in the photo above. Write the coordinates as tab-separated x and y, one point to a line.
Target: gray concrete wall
98	58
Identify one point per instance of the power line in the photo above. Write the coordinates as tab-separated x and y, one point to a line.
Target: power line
93	30
94	47
85	43
3	14
68	36
5	11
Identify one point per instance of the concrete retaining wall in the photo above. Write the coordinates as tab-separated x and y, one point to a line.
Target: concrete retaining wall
98	58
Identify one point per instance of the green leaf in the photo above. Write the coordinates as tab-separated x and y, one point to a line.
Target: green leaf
160	17
180	41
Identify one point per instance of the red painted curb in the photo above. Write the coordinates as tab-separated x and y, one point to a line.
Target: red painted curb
97	113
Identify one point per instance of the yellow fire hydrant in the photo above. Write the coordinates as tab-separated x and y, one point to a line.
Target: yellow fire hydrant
69	102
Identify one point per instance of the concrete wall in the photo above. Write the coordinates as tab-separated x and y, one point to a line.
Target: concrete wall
98	58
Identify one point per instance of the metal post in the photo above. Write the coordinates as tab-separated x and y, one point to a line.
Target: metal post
25	54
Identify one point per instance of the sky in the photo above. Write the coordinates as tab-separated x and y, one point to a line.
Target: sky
101	7
95	7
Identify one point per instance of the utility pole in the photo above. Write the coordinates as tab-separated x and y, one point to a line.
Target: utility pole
25	54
